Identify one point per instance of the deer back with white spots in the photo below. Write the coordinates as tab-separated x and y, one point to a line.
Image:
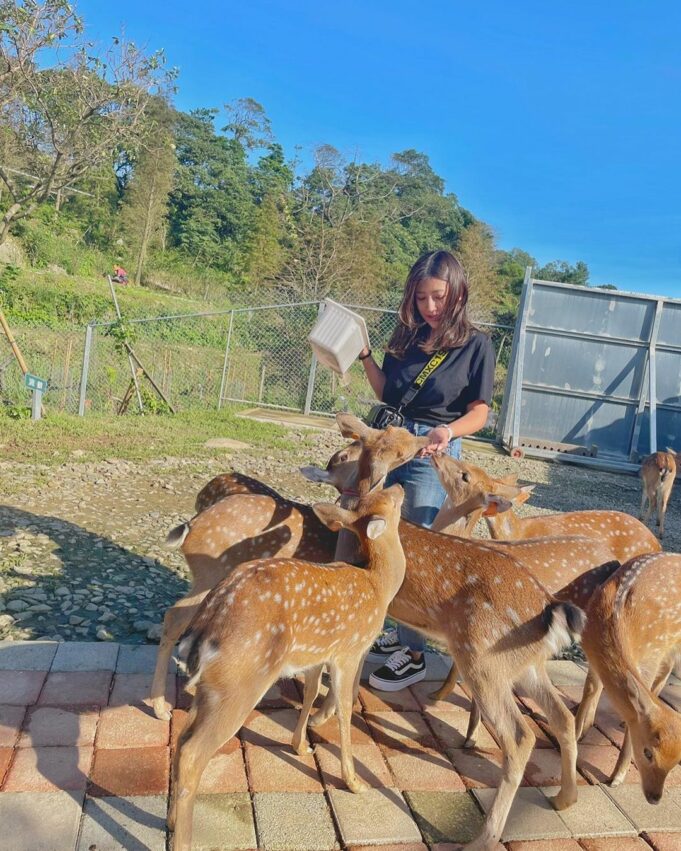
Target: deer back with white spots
632	639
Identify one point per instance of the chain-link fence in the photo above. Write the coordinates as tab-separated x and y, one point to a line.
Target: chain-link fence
53	355
257	355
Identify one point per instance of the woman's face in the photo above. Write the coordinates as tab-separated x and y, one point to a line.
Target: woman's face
430	298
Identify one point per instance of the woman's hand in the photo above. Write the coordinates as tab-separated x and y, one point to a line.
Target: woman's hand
439	438
364	353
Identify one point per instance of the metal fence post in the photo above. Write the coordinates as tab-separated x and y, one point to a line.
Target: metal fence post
86	369
313	373
506	422
226	360
652	375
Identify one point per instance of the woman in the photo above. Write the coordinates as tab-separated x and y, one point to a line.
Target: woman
453	402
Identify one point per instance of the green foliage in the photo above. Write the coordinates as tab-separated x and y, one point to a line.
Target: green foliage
123	335
564	273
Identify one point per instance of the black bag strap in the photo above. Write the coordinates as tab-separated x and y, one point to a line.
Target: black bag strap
409	395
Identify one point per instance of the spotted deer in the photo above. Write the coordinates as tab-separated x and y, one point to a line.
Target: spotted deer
623	534
497	622
232	529
658	472
632	639
274	618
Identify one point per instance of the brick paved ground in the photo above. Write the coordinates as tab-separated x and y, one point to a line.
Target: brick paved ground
85	765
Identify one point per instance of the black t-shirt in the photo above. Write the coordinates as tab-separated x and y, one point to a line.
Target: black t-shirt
465	376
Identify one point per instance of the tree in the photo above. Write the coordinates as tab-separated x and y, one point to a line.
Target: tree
65	121
248	124
145	204
563	272
211	204
476	253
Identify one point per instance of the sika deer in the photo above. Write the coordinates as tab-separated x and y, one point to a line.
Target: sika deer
239	528
273	618
497	621
632	638
658	472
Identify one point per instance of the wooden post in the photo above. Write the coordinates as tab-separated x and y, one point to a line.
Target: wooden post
13	343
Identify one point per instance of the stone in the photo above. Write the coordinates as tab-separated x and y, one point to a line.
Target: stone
225	443
649	817
26	655
85	656
445	816
375	816
113	823
41	821
531	815
223	822
594	814
292	821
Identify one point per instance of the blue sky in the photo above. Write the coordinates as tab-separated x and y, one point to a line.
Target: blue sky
558	124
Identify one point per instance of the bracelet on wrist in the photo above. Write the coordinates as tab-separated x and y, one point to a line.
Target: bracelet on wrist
367	355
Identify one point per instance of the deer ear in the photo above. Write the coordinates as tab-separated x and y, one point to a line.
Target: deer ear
314	474
496	504
376	527
333	516
641	701
352	427
524	494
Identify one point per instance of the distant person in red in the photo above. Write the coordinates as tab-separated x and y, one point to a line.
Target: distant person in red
120	276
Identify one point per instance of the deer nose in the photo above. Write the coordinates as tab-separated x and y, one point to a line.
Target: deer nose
653	797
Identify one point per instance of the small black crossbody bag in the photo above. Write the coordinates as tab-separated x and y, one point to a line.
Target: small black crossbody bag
382	416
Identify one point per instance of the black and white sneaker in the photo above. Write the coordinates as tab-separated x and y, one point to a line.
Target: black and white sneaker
400	671
384	646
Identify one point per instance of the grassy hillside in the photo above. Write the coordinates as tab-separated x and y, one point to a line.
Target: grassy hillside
55	299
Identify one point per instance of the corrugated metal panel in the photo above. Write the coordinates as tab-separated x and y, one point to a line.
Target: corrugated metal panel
581	368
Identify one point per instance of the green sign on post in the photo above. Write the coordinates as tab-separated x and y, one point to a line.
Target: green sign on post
35	383
38	386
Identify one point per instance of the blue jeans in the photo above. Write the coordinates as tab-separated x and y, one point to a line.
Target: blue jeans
423	498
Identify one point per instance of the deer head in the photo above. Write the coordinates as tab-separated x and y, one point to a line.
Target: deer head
655	738
382	449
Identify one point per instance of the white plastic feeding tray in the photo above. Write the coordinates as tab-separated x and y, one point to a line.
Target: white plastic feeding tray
338	336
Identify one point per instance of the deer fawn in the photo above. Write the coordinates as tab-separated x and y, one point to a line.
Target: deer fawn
632	638
273	618
658	472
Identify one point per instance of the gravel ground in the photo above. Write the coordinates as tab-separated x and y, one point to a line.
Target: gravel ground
81	545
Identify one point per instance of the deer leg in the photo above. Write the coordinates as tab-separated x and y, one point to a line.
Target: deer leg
326	710
313	677
562	724
623	760
175	621
342	683
516	740
473	724
447	686
211	724
589	703
662	510
645	506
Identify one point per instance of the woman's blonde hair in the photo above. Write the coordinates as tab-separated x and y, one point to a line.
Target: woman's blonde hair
455	328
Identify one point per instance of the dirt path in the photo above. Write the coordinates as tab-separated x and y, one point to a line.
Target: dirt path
81	545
